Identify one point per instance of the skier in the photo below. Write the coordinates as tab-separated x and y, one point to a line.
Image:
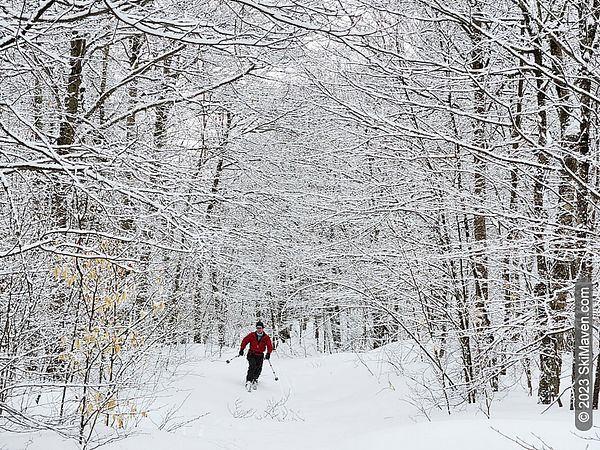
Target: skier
259	342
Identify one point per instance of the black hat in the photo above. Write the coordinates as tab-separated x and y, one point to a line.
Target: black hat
260	324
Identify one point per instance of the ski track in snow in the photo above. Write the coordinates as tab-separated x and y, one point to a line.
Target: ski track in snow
327	402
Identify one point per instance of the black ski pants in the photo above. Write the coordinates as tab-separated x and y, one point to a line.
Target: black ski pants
255	362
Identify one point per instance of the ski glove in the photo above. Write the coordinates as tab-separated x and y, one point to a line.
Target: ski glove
268	356
241	352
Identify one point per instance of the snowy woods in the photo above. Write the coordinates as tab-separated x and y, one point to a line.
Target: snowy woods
352	173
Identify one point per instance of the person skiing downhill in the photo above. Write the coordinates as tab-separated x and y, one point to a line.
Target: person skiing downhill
259	341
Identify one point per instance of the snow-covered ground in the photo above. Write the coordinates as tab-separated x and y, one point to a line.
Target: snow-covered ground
329	402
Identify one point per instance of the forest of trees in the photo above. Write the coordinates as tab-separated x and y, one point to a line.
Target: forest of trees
365	172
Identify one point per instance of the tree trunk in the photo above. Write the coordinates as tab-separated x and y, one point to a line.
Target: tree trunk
67	128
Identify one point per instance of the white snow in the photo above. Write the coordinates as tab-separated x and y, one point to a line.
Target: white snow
343	401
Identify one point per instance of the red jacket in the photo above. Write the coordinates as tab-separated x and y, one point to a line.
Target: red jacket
256	346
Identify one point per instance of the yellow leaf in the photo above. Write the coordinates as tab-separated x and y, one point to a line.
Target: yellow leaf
111	404
89	339
158	307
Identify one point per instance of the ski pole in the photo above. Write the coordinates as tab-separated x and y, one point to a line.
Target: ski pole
273	370
229	360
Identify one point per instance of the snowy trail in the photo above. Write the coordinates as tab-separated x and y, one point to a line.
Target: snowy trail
317	403
329	402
